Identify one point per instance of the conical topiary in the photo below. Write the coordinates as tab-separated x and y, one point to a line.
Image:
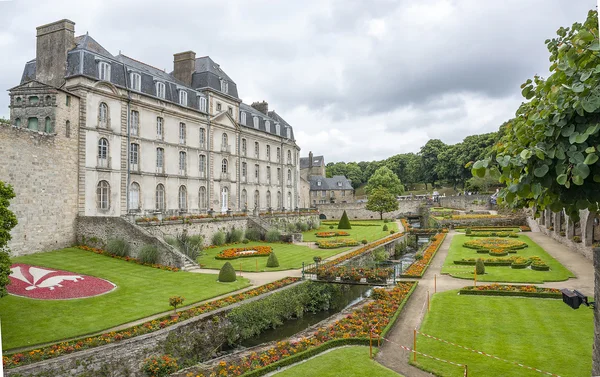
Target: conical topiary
272	261
227	273
344	222
479	267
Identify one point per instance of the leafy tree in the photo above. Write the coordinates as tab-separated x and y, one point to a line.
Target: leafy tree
8	220
382	201
429	154
344	222
385	178
549	154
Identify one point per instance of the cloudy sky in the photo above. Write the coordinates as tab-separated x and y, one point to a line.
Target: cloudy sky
358	80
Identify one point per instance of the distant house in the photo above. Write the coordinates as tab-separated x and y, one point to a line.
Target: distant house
316	188
312	165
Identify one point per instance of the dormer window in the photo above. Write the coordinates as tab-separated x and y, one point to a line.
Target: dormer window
202	104
136	81
268	126
160	89
224	86
318	183
277	128
255	119
339	184
104	71
182	97
287	132
243	118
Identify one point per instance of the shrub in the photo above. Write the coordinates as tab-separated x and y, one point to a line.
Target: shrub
392	231
364	242
171	240
432	238
160	366
468	231
562	233
344	222
253	235
118	247
272	261
235	235
291	228
385	228
190	245
218	238
227	273
331	226
175	301
303	227
317	259
385	221
148	254
419	255
273	235
245	241
577	239
480	267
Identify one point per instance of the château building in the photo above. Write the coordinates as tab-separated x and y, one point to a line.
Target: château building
97	134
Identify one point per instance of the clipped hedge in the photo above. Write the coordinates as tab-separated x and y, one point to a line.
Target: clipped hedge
511	293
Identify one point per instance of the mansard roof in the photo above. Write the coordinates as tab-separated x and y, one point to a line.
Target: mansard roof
272	117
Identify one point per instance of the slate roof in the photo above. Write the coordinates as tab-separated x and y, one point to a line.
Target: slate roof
317	161
251	112
332	183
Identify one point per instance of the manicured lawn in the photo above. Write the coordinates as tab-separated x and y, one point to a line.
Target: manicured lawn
348	362
370	233
541	333
141	292
506	273
289	256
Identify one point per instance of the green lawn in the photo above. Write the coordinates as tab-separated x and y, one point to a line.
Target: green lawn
289	256
141	292
503	274
541	333
347	362
370	233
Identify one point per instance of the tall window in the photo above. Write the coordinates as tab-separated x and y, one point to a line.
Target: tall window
279	199
255	120
103	114
244	147
256	149
160	197
278	175
182	163
202	137
224	164
268	203
268	152
48	125
268	126
289	200
182	133
268	174
244	170
182	198
160	160
103	153
202	165
224	86
243	117
289	157
103	195
289	177
160	128
134	196
34	100
244	200
202	197
136	81
134	129
182	97
256	199
160	89
277	128
288	134
278	154
134	156
224	140
67	127
18	122
256	173
32	123
202	104
104	71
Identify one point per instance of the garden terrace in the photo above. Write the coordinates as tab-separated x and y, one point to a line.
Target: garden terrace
353	275
418	268
361	230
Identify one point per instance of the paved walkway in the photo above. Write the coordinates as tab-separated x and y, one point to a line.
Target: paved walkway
412	314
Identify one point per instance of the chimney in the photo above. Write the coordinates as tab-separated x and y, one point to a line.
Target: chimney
310	160
263	106
184	64
53	42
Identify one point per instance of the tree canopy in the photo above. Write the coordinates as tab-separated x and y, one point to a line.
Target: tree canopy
382	201
549	154
7	221
386	179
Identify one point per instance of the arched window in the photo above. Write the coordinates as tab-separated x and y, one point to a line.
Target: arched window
224	140
224	199
103	195
256	149
103	153
48	100
256	199
102	115
202	165
289	177
182	163
134	196
68	129
268	203
244	199
243	118
32	124
289	199
278	199
18	122
277	128
268	126
244	147
202	197
48	125
19	101
289	157
160	197
182	198
255	120
224	166
269	152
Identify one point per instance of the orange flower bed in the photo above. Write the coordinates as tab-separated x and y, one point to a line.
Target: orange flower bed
418	268
245	252
332	234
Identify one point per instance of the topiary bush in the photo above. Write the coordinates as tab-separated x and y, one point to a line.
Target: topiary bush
235	235
245	241
227	273
364	242
468	231
385	221
218	238
148	254
273	235
118	247
344	222
385	228
480	267
253	235
272	261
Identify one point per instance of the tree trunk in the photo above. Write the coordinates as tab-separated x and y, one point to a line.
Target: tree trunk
380	215
425	186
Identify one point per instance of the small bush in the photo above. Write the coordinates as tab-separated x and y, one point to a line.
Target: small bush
392	231
364	242
218	238
171	240
160	366
577	239
344	222
479	267
331	227
468	231
419	255
303	227
148	254
253	235
245	241
385	221
272	261
235	235
175	301
291	228
117	247
227	273
385	228
432	238
273	235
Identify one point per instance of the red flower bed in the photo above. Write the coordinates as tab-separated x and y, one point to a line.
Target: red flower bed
332	234
59	349
129	259
417	269
244	252
49	284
